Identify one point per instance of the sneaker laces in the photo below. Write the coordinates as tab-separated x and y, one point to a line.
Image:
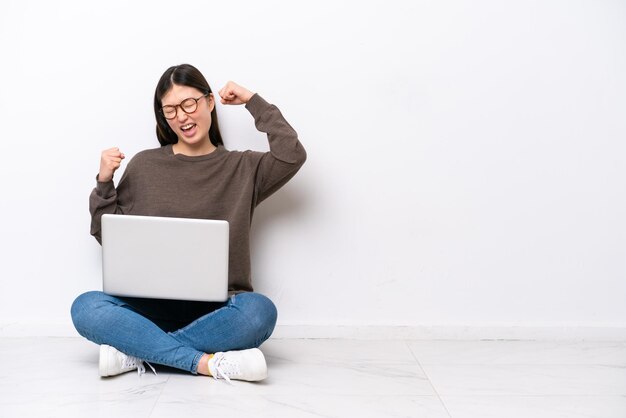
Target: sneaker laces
224	367
131	362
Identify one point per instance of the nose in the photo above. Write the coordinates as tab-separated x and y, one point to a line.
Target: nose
181	116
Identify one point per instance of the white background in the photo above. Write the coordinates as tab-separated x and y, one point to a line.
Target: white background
465	159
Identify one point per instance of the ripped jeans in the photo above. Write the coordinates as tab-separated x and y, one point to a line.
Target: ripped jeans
171	332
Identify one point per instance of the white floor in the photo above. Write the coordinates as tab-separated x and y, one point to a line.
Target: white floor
58	377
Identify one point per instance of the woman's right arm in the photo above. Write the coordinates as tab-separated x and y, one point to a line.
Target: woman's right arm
105	198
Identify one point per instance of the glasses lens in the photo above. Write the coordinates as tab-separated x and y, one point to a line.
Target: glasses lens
169	112
189	105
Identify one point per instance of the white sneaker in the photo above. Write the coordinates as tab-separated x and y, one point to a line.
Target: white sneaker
242	365
114	362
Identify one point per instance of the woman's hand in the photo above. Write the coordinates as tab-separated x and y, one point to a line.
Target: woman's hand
110	160
234	94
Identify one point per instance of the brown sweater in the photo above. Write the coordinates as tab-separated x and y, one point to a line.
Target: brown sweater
224	185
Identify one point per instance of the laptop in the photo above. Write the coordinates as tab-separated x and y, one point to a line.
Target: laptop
165	258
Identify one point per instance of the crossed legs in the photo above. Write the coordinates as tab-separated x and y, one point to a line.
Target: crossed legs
162	331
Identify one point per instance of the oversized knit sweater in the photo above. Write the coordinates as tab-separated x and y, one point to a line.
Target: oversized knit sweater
225	185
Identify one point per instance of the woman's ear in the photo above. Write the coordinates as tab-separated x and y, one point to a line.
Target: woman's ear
211	102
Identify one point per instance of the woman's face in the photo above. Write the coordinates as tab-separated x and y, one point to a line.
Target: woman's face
190	128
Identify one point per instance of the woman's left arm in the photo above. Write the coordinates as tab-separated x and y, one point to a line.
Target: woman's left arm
286	154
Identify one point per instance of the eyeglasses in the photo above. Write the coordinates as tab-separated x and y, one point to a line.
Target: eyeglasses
188	106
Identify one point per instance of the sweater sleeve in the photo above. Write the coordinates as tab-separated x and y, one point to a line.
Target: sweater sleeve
286	154
105	198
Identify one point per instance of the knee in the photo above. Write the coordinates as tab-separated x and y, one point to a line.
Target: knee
83	307
260	313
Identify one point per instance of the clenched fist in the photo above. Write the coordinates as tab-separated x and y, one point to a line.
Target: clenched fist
234	94
110	160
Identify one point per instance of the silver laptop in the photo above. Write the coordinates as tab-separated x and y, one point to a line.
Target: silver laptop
165	258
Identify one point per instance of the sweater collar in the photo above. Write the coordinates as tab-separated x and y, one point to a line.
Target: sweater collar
220	150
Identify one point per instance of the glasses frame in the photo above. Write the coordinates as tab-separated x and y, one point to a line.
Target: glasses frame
181	106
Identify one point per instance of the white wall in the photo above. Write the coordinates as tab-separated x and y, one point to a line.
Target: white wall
465	159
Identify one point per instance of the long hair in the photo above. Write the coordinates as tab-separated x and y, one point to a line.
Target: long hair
182	75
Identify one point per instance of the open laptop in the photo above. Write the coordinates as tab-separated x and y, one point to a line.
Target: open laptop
165	258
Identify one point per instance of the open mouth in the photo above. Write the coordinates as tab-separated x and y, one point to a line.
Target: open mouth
187	127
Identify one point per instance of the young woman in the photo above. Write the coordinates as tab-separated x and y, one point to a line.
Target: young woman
191	175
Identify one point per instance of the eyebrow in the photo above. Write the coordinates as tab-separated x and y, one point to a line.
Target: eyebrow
163	105
191	97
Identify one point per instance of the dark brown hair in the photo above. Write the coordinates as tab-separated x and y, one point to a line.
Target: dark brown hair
182	75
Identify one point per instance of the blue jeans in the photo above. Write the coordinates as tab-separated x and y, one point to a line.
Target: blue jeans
174	333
